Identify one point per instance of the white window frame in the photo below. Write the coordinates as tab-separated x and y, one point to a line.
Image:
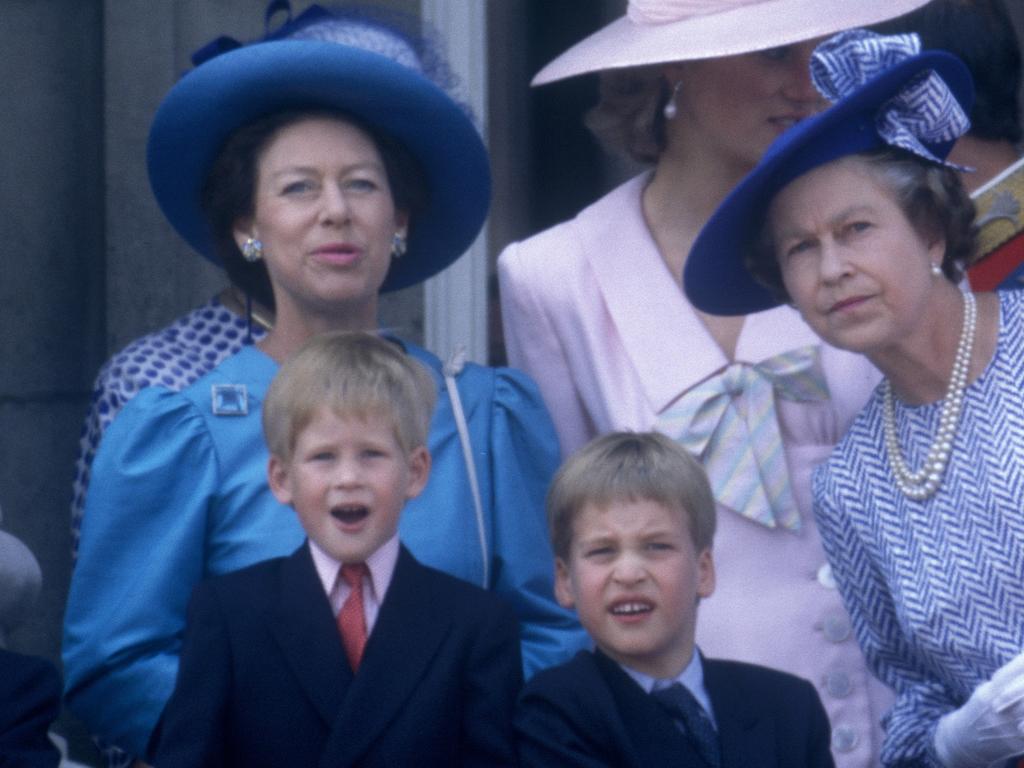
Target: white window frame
455	301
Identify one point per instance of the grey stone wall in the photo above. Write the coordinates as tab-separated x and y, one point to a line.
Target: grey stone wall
51	246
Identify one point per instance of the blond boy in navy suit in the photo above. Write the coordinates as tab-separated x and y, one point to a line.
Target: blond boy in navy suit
349	651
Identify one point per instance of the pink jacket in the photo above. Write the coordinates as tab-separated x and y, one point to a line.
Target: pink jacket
592	313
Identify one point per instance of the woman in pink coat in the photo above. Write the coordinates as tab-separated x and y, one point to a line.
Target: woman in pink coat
594	311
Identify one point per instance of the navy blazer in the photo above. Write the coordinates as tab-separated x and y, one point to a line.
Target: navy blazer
264	680
29	703
590	713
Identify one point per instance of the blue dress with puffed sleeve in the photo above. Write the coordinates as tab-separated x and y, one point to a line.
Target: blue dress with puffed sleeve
179	493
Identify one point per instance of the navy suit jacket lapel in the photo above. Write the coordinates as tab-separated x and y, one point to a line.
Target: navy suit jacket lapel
745	734
655	738
304	628
393	663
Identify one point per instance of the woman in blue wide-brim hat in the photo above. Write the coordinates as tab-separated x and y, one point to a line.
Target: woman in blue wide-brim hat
320	172
856	218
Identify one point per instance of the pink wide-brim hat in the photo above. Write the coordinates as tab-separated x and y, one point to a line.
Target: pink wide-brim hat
660	31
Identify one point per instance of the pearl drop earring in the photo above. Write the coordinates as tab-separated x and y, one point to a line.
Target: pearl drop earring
671	110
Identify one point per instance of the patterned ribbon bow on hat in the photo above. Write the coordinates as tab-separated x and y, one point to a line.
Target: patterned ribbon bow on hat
318	23
924	112
729	422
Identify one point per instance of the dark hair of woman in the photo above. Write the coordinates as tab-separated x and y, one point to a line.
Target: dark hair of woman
932	198
229	190
628	119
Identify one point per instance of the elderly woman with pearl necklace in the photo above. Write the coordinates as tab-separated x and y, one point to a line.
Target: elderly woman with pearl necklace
856	218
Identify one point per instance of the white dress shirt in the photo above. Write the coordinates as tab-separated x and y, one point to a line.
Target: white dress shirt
381	565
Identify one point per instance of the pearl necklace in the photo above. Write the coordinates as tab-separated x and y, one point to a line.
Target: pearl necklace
925	481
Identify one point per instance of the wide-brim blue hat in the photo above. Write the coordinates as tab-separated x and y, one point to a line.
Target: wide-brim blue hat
715	278
232	89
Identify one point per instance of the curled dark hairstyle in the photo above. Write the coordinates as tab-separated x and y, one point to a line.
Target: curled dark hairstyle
229	191
931	196
628	119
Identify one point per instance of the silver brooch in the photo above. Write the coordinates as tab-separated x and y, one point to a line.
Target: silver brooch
229	399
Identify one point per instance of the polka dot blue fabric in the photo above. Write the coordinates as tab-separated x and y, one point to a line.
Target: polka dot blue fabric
172	357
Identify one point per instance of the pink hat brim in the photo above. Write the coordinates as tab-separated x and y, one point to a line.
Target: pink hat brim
755	26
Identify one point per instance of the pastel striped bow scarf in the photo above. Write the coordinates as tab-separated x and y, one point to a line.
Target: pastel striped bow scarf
729	423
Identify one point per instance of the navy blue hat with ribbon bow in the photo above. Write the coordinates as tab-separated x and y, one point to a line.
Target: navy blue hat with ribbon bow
886	93
322	59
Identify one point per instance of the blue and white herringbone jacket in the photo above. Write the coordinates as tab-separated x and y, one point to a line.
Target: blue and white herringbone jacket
935	588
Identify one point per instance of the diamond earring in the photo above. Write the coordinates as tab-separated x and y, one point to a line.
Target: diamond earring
252	250
398	245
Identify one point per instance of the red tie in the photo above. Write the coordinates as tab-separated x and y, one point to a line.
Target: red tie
351	618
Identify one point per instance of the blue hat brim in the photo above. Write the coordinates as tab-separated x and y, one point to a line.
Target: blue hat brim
715	278
216	98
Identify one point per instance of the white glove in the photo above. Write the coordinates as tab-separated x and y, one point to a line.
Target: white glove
989	727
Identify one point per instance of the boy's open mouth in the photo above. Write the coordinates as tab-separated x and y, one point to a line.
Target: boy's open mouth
349	513
631	608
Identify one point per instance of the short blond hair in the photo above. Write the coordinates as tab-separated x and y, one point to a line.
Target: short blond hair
630	466
353	374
